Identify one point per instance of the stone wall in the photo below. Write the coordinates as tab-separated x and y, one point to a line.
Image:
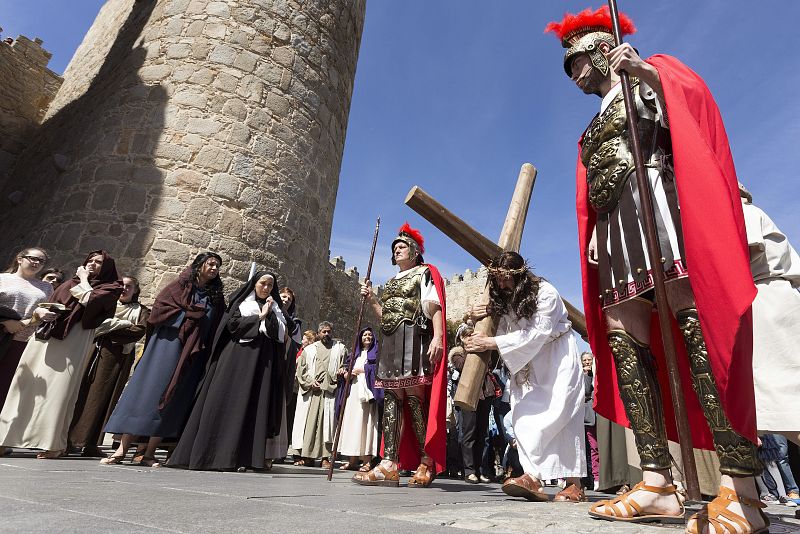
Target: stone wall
340	302
462	290
186	125
27	87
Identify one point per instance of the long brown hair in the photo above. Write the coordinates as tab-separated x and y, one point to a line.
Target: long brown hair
522	299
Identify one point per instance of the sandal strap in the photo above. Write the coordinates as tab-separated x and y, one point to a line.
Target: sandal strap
630	508
731	495
665	490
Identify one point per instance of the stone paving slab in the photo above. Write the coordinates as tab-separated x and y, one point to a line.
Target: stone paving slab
80	495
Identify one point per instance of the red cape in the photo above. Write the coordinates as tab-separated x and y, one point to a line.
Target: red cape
716	256
436	436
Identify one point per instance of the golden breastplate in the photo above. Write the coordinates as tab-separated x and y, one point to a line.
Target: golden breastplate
402	300
606	152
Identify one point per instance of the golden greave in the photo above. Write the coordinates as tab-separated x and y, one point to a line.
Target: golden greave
392	415
641	395
738	456
418	421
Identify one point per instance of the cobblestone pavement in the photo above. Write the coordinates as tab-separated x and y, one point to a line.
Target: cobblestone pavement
80	495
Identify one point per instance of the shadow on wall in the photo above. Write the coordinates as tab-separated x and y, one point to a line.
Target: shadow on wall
89	178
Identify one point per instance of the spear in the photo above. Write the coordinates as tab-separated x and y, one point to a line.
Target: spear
654	254
353	356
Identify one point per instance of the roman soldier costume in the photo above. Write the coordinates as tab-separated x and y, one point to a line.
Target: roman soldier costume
409	301
693	181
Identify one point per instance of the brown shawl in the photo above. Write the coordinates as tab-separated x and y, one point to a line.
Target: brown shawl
106	289
172	300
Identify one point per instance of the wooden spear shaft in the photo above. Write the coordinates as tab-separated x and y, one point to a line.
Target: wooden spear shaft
353	355
654	254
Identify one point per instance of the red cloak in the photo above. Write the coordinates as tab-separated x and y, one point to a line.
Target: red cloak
716	256
436	435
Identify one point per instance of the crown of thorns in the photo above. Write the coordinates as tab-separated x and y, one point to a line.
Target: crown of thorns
497	271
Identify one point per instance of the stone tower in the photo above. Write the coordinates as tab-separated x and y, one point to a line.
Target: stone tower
187	125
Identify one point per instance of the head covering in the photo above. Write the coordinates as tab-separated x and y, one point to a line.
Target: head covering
411	237
248	287
583	33
102	303
745	194
372	350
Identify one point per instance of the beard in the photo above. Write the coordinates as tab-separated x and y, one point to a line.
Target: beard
593	82
326	339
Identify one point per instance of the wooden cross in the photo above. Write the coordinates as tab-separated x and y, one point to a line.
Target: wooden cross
484	250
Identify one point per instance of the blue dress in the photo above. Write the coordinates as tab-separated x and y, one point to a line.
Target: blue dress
137	411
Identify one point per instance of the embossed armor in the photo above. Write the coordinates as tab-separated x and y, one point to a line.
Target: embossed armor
401	300
606	151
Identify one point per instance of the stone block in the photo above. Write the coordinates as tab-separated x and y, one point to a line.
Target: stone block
246	61
179	50
148	174
278	104
224	54
155	73
226	82
191	98
189	180
215	30
170	252
104	196
214	158
230	224
218	9
199	239
223	185
195	29
235	108
202	76
239	135
76	201
172	152
133	199
284	55
203	212
170	209
113	172
203	126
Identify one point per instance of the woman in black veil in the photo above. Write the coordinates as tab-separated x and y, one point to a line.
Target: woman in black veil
240	402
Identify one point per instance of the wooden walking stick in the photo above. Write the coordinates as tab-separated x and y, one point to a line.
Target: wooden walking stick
654	254
340	416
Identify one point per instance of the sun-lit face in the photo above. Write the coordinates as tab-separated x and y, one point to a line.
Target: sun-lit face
307	340
325	334
209	269
402	252
264	286
366	339
31	261
286	298
94	264
586	362
585	76
128	289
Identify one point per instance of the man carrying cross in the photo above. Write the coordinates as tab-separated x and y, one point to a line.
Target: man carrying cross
709	289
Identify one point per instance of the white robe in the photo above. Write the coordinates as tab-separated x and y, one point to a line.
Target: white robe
776	322
547	389
338	352
359	435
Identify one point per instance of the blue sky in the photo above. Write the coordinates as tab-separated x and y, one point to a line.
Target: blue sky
454	95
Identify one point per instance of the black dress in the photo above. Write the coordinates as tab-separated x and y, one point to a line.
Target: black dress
238	405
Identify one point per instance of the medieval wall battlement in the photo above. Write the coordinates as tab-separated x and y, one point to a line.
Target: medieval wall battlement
462	290
27	89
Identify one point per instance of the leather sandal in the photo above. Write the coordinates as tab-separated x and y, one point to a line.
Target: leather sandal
572	493
112	460
380	476
716	517
525	486
633	511
422	477
150	461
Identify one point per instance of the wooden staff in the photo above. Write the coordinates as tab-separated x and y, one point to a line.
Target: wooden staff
350	363
654	254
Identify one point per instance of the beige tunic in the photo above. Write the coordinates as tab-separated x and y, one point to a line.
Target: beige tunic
44	390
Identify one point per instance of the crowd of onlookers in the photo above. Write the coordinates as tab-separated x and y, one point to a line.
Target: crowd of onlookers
236	385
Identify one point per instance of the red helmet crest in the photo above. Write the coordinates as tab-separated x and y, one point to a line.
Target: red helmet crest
414	234
587	21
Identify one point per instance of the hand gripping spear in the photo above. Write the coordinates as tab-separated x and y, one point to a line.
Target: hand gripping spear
654	254
353	355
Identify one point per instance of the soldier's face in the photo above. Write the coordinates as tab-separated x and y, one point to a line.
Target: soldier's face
585	76
402	252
